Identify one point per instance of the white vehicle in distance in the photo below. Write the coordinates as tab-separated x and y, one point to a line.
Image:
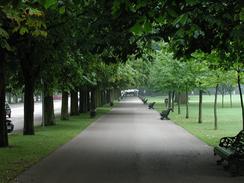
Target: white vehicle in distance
130	92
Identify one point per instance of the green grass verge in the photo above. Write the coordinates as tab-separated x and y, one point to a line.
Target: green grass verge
25	151
229	119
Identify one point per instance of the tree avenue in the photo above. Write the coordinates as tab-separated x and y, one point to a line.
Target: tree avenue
93	49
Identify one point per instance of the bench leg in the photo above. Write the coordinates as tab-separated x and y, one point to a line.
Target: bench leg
226	167
234	167
220	161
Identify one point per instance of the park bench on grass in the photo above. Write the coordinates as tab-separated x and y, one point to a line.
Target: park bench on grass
164	114
10	125
231	149
144	100
151	105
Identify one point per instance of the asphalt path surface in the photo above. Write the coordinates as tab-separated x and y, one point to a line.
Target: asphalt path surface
131	145
17	113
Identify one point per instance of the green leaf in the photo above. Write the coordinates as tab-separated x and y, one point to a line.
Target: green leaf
147	27
161	20
4	44
242	14
137	29
182	20
116	7
48	3
192	2
3	33
62	10
23	30
172	12
35	12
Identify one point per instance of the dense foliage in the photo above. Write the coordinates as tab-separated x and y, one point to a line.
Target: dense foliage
75	46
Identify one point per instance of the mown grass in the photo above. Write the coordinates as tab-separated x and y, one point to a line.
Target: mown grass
25	151
229	119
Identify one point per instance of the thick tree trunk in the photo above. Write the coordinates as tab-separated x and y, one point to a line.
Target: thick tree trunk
49	117
65	106
3	128
200	107
241	98
178	102
86	100
29	107
74	109
108	97
215	108
187	103
48	107
96	98
30	70
103	97
93	103
82	100
88	93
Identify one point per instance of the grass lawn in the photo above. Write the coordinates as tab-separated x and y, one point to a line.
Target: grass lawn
25	151
229	119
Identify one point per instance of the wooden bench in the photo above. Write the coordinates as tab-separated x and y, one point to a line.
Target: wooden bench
151	105
231	149
164	114
10	126
144	101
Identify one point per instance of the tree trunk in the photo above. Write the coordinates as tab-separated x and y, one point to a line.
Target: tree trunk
65	106
29	107
96	98
231	105
170	100
9	98
215	108
223	100
187	103
242	106
48	107
108	97
93	103
74	109
29	73
200	107
3	128
178	103
15	99
82	100
103	97
88	99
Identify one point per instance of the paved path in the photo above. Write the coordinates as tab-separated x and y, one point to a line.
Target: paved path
130	145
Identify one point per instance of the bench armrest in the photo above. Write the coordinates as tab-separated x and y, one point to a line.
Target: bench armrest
226	141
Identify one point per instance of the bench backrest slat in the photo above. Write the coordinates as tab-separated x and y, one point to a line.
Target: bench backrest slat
239	142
